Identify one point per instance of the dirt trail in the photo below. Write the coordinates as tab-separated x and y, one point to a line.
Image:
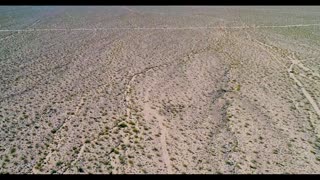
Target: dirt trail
304	91
292	76
79	154
306	69
47	158
149	114
265	47
294	61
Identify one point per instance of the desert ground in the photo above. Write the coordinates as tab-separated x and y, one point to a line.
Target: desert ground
159	90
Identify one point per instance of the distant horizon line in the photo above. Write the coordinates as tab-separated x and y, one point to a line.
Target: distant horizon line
157	28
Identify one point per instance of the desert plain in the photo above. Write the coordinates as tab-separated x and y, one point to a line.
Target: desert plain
159	90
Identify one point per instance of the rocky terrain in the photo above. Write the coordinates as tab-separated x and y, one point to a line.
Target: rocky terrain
157	90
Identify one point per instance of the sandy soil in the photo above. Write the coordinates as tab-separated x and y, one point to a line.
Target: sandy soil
159	90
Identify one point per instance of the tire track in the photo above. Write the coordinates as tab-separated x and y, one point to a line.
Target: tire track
298	63
49	155
149	113
304	91
292	76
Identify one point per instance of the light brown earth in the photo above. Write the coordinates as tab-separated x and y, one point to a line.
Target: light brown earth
159	90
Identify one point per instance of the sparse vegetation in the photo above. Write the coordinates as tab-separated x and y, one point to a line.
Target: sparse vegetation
237	88
123	125
159	90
